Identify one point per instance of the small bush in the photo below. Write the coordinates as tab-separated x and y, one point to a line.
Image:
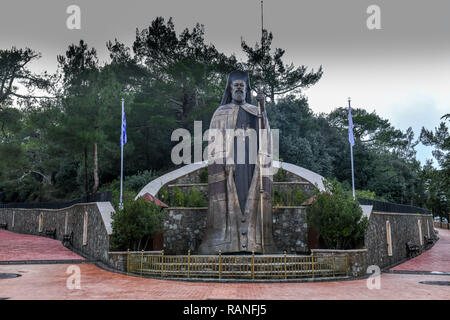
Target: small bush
299	197
194	199
135	224
365	194
337	217
163	195
278	198
190	199
280	176
204	175
289	197
178	198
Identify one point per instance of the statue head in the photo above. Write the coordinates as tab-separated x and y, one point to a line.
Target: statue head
238	91
238	88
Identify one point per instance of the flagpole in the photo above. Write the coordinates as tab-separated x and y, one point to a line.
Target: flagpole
121	159
351	156
261	100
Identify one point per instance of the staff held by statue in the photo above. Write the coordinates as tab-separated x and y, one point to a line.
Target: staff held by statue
261	100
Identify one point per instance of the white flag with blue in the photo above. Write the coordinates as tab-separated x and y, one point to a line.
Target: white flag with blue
351	138
123	137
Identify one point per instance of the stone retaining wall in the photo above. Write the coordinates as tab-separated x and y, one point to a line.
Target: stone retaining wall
290	229
184	229
66	221
404	228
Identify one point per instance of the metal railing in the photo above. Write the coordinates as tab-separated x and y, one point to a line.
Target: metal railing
251	267
96	197
392	207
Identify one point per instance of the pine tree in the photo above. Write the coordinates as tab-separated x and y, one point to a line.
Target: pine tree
279	78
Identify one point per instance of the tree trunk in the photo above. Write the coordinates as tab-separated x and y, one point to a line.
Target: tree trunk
146	243
147	143
139	245
95	169
272	94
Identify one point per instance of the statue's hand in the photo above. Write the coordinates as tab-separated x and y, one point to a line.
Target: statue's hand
229	169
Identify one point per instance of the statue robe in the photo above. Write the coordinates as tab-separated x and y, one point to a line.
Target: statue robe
234	212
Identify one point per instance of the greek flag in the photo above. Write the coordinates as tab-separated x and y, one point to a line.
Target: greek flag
123	137
351	138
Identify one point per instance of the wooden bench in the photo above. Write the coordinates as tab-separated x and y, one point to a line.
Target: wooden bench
67	239
428	240
3	226
412	248
50	233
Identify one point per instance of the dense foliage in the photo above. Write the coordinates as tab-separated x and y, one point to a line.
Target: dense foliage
337	218
135	224
59	138
189	197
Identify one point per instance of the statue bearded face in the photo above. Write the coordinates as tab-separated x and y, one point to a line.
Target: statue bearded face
238	91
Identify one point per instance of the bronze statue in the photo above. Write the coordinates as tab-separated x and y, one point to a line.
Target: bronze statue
240	211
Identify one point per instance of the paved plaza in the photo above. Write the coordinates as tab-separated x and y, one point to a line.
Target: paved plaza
20	247
49	281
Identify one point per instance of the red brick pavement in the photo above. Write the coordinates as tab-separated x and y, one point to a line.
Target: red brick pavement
435	259
49	282
15	246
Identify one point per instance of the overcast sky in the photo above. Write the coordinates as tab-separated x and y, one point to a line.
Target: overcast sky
401	71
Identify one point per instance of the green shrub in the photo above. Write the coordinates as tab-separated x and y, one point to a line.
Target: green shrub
204	175
280	176
163	195
194	199
178	198
289	197
278	199
135	224
299	197
190	199
337	217
365	194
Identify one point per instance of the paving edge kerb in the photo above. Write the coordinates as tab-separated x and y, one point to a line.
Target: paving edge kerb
69	261
105	267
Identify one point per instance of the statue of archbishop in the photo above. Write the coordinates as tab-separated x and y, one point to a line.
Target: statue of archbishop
240	211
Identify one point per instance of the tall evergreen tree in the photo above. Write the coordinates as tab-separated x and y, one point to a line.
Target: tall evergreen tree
279	78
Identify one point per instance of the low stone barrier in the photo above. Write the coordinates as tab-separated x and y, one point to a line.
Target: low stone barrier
118	259
355	259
